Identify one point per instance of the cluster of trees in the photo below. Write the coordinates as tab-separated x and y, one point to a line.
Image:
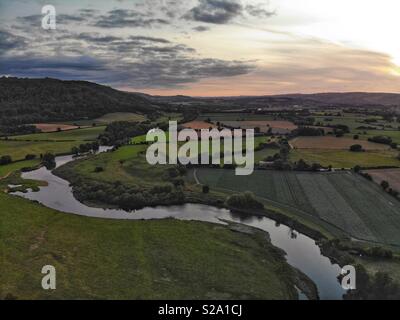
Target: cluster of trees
120	133
6	130
244	201
42	100
127	197
85	148
377	287
384	140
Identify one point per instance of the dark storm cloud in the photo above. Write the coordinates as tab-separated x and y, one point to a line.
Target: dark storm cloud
128	18
215	11
9	41
149	39
136	61
258	11
201	28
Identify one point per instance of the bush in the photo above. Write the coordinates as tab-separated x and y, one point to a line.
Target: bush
206	189
30	157
385	185
244	201
5	160
49	160
356	148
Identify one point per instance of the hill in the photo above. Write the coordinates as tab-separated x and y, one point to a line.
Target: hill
25	101
351	98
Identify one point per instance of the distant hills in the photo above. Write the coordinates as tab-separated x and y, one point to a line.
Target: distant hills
351	98
25	101
41	100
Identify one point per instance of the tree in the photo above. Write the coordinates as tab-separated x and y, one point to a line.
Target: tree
5	160
30	157
49	160
385	185
356	148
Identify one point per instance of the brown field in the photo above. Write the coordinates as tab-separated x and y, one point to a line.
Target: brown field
278	127
51	127
198	125
334	143
390	175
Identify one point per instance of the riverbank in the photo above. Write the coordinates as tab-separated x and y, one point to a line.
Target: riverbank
157	259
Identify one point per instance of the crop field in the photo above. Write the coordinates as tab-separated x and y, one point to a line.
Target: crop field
345	158
328	142
353	122
278	127
19	149
85	134
394	134
198	125
54	127
390	175
347	201
234	116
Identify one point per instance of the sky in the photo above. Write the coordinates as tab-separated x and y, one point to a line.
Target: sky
207	47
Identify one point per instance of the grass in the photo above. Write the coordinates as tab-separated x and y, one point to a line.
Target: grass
85	134
19	149
7	169
234	116
120	116
347	201
394	134
346	159
109	259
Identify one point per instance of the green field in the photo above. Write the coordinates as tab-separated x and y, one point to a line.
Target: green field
394	134
19	149
345	200
120	116
234	116
108	259
84	134
346	159
7	169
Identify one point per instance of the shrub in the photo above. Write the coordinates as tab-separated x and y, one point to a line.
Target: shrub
244	201
356	148
5	160
30	157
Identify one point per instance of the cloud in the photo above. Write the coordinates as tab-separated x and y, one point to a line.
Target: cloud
120	18
215	11
259	11
201	28
9	42
135	61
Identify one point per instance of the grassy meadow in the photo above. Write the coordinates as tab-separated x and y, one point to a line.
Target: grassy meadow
107	259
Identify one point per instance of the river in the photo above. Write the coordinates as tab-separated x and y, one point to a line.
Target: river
302	252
